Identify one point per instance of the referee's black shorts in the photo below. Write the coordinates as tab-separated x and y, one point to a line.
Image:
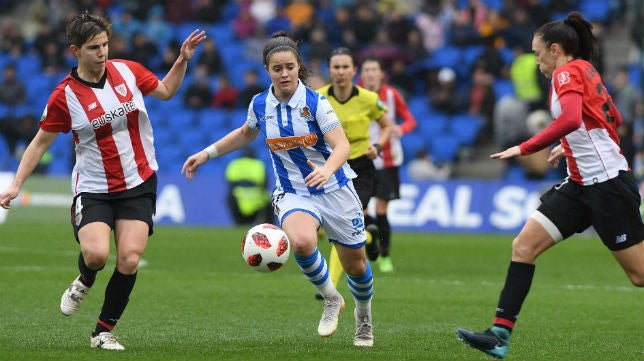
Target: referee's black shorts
388	183
138	203
365	183
611	207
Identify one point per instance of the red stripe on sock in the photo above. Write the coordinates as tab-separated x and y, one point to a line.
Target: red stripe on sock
504	322
106	325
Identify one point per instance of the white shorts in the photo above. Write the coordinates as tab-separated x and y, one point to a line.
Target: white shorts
339	213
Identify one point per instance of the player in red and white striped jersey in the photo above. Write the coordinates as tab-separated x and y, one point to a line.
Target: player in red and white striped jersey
600	189
113	180
388	164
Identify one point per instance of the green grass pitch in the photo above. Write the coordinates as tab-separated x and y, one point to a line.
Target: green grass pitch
196	300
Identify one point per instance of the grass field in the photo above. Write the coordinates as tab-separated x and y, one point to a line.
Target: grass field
196	300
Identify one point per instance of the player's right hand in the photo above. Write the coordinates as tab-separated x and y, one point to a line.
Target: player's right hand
193	162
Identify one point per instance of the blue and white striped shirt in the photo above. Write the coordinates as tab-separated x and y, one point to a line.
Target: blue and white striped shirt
294	133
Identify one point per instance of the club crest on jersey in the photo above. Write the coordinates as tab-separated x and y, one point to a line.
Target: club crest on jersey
121	90
306	114
563	78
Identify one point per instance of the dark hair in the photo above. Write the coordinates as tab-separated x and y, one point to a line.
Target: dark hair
574	34
342	51
85	26
281	42
374	60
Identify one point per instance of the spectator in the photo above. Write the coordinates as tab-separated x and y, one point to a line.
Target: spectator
364	22
482	99
625	97
126	25
12	42
170	52
251	87
155	27
341	22
524	74
143	50
432	30
422	168
244	24
444	96
179	11
119	47
262	10
198	94
52	60
319	45
209	11
12	89
210	56
225	96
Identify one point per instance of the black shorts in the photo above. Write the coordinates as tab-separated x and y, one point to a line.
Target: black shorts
388	183
611	207
365	183
137	203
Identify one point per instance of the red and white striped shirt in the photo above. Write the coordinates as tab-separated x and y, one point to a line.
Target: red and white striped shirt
110	125
397	110
585	123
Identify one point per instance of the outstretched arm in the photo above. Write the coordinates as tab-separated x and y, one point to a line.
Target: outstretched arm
30	159
172	81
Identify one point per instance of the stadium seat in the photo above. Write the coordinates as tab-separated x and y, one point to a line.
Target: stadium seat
503	87
595	10
466	128
433	124
411	143
444	149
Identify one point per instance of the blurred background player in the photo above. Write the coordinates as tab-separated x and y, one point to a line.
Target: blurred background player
357	108
248	199
389	162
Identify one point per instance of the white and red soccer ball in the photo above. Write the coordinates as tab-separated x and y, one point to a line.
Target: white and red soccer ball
265	247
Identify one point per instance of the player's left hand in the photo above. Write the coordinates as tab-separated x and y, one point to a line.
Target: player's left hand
555	155
190	44
318	177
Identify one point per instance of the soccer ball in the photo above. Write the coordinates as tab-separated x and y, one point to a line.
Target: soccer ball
265	247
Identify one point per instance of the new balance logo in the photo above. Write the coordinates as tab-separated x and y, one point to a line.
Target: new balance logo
91	106
620	239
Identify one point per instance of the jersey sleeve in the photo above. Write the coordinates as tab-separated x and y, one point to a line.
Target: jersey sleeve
251	118
326	116
146	80
378	109
55	118
408	122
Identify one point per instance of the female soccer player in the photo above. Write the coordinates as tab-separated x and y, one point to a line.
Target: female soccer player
114	180
357	109
600	190
388	164
309	152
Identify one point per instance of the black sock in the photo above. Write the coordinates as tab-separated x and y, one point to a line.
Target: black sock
517	286
87	276
385	233
117	295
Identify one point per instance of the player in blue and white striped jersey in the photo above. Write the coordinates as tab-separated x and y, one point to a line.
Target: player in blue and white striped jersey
314	186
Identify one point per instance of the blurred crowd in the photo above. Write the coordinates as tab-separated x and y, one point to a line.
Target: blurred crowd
447	57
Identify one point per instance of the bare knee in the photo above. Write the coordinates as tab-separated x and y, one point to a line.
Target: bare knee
95	259
522	251
637	279
128	263
356	268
